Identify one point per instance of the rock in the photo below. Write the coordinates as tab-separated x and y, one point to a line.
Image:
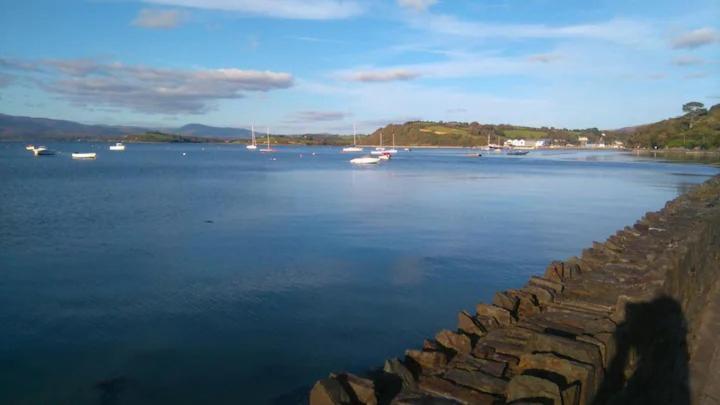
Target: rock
471	363
487	323
444	388
397	368
467	324
544	282
428	361
527	304
572	371
455	341
503	300
500	314
476	380
529	387
329	391
363	388
544	296
568	348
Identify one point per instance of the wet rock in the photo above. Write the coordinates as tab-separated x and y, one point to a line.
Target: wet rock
528	387
455	341
329	391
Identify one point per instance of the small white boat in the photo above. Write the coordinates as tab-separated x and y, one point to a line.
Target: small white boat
117	147
268	149
253	143
354	147
385	156
30	148
365	160
42	151
88	155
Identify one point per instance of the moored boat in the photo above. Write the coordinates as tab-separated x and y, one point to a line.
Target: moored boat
365	160
354	147
268	149
30	148
518	152
42	151
117	147
84	155
253	142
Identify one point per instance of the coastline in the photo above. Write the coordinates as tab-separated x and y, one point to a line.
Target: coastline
566	336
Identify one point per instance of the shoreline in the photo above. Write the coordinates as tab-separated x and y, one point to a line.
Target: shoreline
566	336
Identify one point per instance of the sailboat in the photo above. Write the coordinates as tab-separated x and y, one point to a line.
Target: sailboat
268	149
380	149
354	147
253	144
393	150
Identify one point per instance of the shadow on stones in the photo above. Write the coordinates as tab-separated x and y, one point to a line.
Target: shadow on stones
651	361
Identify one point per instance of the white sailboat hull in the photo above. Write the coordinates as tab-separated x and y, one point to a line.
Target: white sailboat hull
92	155
117	147
365	161
352	149
251	147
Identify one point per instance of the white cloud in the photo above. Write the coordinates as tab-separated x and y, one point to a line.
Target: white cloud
687	60
315	116
387	75
696	38
290	9
150	90
153	18
616	30
419	5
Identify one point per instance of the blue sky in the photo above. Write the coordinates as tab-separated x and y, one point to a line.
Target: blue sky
322	65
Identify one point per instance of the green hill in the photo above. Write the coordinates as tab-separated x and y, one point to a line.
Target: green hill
693	131
426	133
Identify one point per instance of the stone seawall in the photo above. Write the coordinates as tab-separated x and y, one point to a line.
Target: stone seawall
632	320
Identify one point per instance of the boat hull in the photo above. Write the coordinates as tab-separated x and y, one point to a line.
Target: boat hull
365	161
84	155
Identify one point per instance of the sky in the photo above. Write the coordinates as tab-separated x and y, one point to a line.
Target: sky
324	65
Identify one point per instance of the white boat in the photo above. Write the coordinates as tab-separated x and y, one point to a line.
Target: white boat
353	148
87	155
384	156
30	148
268	149
42	151
117	147
365	160
253	144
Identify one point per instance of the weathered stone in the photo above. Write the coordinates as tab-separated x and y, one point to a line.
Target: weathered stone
329	391
455	341
445	388
562	271
544	296
528	304
571	349
467	324
363	388
503	300
486	322
531	387
421	398
397	368
431	345
501	315
428	361
572	371
543	282
467	362
476	380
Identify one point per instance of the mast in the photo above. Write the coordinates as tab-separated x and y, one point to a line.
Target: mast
381	139
393	140
354	136
252	126
268	137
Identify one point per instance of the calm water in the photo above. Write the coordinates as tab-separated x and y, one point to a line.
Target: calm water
225	276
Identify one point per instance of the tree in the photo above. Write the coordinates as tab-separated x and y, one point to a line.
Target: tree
693	109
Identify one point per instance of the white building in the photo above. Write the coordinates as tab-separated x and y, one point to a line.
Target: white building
515	142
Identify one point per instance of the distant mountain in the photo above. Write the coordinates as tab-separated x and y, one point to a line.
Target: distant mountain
17	128
29	128
213	132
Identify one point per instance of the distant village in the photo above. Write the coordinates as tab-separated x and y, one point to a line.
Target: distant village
583	143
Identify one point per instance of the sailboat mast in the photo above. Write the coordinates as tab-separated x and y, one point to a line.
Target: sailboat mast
252	126
268	136
354	136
